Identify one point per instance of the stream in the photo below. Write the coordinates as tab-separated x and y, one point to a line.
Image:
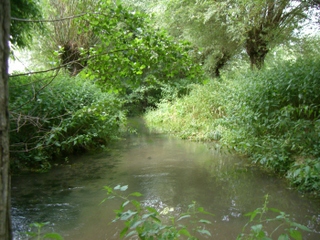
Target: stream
169	172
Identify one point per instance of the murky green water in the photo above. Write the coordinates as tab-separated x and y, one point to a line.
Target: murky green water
169	173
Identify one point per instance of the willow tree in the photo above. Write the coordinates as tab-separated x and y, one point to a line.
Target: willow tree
213	46
225	28
66	36
260	24
5	224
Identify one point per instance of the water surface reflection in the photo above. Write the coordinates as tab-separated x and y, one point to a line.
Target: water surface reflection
169	173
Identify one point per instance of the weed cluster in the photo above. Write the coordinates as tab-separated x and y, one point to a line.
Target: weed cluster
52	119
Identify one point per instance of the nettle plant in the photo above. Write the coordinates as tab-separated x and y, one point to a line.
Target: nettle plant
284	227
148	223
52	117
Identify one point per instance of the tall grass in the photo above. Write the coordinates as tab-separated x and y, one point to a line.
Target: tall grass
191	117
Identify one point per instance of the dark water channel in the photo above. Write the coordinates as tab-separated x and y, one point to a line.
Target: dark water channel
169	173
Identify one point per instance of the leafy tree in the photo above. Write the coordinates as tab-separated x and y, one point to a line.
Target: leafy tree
5	224
131	53
273	22
65	35
21	28
212	47
223	28
119	46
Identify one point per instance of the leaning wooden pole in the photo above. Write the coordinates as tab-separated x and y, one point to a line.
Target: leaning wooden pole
5	217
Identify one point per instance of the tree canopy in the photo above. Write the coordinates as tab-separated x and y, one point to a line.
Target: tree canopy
222	29
119	47
21	28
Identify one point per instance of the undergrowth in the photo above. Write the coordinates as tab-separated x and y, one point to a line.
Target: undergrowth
53	116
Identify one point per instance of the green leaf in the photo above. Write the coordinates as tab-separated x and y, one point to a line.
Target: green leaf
257	228
295	234
124	188
126	215
135	194
136	204
145	216
185	232
252	215
200	209
32	234
274	210
136	224
121	188
124	232
153	210
302	227
283	237
125	203
109	189
184	216
205	221
155	218
39	225
52	236
131	233
204	231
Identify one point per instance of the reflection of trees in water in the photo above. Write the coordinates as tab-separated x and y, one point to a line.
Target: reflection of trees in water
170	173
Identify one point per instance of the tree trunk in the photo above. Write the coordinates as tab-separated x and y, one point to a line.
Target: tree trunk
256	47
5	219
221	62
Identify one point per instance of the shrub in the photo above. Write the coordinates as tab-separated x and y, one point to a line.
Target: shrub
191	116
149	94
273	115
54	117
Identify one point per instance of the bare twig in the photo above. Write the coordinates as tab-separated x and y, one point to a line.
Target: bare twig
48	20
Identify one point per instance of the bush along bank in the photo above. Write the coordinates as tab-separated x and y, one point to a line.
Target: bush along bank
54	116
272	116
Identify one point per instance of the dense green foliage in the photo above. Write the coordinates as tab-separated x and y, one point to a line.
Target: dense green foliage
52	117
132	54
22	31
127	64
119	49
119	59
272	116
223	30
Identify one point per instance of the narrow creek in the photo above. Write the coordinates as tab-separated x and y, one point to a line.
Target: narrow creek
169	172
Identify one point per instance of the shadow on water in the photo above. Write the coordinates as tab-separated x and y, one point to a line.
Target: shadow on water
168	172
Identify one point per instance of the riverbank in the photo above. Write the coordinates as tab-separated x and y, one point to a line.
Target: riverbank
271	116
